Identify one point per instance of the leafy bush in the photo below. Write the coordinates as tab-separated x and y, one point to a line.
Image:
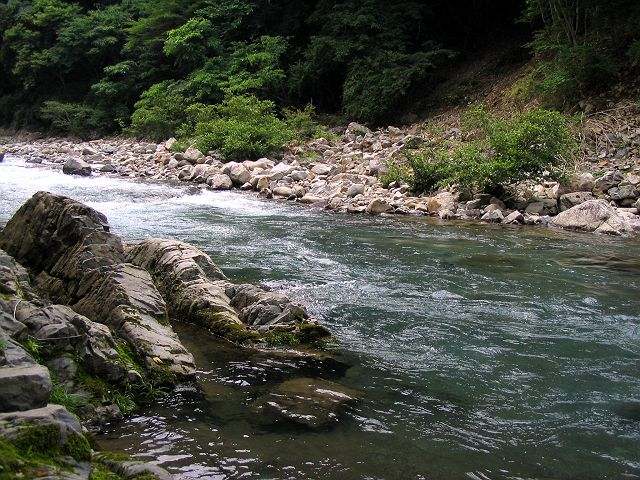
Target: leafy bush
303	123
159	112
240	127
396	173
510	150
74	118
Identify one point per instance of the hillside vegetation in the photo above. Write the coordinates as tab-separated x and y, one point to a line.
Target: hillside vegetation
246	77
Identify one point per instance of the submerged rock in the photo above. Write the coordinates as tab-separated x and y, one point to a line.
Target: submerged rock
306	402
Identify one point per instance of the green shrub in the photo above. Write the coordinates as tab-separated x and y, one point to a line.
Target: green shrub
159	112
510	150
303	123
634	53
71	401
74	118
241	127
396	173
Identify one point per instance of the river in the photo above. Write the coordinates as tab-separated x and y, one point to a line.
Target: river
482	352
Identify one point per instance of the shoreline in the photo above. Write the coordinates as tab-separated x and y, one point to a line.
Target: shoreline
320	175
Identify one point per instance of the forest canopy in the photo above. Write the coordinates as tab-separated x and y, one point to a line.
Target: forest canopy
94	67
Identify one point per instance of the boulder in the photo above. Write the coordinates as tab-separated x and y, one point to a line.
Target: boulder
311	403
543	207
514	218
355	189
52	427
220	181
442	201
597	216
283	191
192	284
280	171
494	216
608	181
13	355
238	173
569	200
321	169
623	192
50	325
75	166
78	262
108	168
24	387
379	205
583	182
193	155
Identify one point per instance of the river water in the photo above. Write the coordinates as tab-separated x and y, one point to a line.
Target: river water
481	352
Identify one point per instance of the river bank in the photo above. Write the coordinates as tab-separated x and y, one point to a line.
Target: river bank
86	338
344	175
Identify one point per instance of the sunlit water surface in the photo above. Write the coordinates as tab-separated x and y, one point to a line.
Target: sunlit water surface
482	352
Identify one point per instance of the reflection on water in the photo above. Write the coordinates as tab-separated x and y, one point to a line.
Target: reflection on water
482	352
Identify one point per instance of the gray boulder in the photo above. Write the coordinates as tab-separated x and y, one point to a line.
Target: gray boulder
219	181
78	262
493	216
514	218
60	429
569	200
75	166
608	181
24	387
379	205
187	277
599	217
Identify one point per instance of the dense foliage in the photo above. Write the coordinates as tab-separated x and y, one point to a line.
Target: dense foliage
503	150
89	67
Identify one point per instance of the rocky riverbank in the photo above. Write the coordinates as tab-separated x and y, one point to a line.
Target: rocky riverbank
86	337
344	175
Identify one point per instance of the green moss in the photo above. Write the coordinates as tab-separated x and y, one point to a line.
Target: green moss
77	446
128	358
309	333
3	345
219	324
281	338
38	439
18	463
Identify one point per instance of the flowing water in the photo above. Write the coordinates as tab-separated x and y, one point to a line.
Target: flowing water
481	352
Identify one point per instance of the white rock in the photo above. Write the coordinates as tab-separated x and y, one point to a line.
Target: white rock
220	181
